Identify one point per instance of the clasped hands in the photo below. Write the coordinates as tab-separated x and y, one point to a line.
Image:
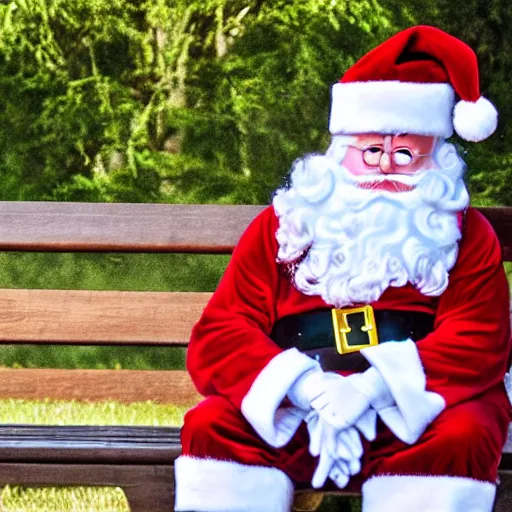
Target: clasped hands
340	409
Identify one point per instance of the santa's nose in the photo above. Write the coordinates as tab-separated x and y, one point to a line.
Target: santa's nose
385	163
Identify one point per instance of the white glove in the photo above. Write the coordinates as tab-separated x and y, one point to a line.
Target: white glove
333	396
317	387
339	451
307	387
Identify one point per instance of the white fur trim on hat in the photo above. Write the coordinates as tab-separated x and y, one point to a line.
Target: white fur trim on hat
475	121
392	107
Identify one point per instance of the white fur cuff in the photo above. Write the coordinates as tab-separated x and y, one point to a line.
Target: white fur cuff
400	366
404	493
209	485
260	406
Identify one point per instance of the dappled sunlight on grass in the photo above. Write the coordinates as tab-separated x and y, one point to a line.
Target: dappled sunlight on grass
66	499
53	412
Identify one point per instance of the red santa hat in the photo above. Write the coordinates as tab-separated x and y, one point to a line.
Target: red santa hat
409	84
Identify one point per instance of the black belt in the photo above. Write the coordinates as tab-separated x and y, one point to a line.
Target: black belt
315	334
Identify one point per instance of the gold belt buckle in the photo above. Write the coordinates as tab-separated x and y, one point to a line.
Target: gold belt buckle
347	342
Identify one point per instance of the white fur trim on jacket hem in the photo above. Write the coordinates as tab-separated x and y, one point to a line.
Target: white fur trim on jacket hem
260	406
392	107
415	408
403	493
209	485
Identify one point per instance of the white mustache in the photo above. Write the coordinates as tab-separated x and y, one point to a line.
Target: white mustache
411	180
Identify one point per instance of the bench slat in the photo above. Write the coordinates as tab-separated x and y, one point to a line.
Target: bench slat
94	444
54	226
99	317
49	226
82	474
127	386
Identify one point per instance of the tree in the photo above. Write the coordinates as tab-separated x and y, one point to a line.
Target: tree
153	101
485	26
203	101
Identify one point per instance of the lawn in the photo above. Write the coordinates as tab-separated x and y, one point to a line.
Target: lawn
70	499
54	412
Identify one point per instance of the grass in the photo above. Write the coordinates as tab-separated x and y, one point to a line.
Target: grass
64	499
56	412
93	357
111	271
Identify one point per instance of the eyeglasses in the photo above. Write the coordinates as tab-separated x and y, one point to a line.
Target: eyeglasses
400	157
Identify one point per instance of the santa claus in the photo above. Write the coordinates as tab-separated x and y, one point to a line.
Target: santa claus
360	335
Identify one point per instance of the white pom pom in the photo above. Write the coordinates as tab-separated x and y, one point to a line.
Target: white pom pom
475	121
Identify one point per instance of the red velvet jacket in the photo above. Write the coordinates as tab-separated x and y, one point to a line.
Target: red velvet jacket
467	353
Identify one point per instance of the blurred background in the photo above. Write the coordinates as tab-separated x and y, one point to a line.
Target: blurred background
206	100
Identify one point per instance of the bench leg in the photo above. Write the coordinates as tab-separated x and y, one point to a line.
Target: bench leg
307	501
148	497
503	501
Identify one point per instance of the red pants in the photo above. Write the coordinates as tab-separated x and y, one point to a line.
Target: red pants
465	440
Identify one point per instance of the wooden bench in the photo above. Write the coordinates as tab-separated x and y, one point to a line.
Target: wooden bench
138	459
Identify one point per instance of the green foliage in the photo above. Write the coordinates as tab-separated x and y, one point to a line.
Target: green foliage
168	102
204	101
265	100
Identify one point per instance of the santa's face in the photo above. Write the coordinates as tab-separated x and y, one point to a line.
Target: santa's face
354	236
373	154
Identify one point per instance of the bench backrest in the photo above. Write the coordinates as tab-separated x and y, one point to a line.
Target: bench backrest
77	317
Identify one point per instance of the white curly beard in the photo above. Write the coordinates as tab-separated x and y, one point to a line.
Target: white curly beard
355	242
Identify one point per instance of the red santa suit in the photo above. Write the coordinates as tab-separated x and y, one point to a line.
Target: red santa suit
245	376
439	444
